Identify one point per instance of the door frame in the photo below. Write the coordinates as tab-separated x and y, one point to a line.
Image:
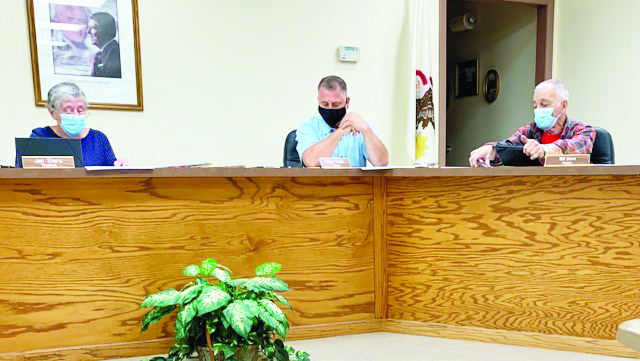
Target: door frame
544	57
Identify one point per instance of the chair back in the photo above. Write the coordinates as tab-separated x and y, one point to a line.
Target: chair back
602	152
291	159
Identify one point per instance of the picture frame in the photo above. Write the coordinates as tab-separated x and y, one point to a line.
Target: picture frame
466	78
92	43
491	87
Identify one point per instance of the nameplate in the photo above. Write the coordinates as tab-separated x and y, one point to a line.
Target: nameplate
566	160
331	163
36	162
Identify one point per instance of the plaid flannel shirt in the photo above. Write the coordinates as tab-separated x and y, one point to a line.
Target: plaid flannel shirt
576	138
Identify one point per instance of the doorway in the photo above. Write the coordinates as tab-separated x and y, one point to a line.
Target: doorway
510	45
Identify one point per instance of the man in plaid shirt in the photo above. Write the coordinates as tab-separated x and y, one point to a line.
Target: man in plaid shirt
551	132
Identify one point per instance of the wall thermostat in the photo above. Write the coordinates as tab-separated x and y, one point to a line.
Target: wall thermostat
349	53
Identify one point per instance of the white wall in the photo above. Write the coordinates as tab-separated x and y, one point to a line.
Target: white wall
225	81
597	55
503	39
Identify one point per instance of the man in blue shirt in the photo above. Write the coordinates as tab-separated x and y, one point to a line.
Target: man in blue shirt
336	133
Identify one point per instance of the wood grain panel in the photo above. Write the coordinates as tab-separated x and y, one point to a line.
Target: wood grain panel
380	246
551	255
161	346
78	255
528	339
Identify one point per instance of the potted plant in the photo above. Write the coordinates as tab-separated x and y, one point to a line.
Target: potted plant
225	318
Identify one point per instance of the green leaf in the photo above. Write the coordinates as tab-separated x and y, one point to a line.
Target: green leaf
269	351
266	316
226	349
201	281
207	266
179	351
191	271
253	306
211	299
282	354
162	298
154	315
274	310
302	356
240	318
181	329
268	269
280	299
222	275
189	294
187	313
259	284
238	281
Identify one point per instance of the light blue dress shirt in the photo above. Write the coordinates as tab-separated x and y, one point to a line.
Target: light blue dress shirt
350	146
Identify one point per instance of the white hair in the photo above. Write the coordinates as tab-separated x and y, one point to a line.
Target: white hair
62	92
561	90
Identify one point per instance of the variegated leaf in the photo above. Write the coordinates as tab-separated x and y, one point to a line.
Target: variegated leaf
163	298
180	328
253	306
238	282
239	317
189	294
259	284
207	266
211	299
280	299
187	313
274	310
222	275
268	269
154	315
191	271
271	321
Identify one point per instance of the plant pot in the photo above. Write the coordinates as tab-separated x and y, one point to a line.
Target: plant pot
250	353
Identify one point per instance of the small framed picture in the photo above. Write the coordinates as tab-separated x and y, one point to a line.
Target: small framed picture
467	78
491	86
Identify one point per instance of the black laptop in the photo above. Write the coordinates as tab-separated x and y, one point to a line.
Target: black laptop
512	155
49	147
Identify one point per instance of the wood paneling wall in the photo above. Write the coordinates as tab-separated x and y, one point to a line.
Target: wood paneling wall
550	255
77	256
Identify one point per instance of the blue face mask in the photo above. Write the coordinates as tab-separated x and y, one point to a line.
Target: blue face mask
72	124
544	117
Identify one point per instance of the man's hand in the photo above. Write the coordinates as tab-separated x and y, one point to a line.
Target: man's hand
354	123
482	156
532	148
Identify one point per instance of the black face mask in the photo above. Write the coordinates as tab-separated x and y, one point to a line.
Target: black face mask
332	116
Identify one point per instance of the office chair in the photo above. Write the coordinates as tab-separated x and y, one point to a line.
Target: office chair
291	159
629	334
602	152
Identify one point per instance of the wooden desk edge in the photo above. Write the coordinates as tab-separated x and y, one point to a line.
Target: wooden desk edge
224	172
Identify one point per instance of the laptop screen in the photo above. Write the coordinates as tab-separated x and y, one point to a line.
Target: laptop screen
49	147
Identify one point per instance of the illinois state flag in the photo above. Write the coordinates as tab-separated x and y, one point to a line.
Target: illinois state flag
422	143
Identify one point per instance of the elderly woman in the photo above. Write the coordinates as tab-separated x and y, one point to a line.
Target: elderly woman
68	105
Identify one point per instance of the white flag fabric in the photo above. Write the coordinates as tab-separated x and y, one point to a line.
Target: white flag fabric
422	141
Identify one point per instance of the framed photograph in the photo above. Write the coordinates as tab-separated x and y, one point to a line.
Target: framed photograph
92	43
491	86
467	78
